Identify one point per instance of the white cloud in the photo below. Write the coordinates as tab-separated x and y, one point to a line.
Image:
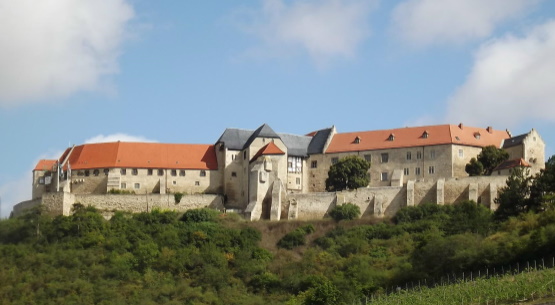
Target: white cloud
53	48
426	22
324	29
117	137
512	80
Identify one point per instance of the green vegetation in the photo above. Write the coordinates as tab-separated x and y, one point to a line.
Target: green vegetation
488	159
347	211
120	192
295	238
348	173
177	197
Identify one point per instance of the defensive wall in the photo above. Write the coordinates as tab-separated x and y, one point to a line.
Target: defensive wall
376	201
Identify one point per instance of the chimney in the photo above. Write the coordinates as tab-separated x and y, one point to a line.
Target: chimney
489	129
461	126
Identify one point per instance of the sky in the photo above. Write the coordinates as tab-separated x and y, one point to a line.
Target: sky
74	72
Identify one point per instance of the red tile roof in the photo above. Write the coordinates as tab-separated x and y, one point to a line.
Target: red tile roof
45	165
268	149
512	164
143	155
415	136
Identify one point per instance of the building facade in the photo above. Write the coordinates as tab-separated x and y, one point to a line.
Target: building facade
254	170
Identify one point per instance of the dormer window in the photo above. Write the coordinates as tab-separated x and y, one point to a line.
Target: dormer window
391	137
357	140
477	135
425	134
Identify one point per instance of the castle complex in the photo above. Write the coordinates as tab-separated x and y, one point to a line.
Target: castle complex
269	175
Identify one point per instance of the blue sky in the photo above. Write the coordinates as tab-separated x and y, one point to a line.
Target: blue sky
182	71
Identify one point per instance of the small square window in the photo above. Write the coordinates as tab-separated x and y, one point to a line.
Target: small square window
96	172
203	173
135	172
174	172
334	160
461	153
432	154
41	180
385	157
368	158
174	182
197	183
123	171
106	171
87	173
182	173
149	172
245	155
314	164
137	186
123	185
160	172
233	174
384	176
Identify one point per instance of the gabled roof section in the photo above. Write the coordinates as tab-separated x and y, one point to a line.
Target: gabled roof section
234	138
512	164
296	145
268	149
414	136
143	155
318	141
45	165
263	131
514	141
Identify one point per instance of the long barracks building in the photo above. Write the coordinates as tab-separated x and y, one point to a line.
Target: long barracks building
245	167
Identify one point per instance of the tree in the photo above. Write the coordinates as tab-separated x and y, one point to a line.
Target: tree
347	211
488	159
543	186
349	173
513	198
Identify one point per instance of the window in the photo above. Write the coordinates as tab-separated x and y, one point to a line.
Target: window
245	155
233	174
174	172
137	186
96	172
294	164
298	181
182	173
174	182
197	183
477	136
425	135
432	154
431	170
384	176
461	153
334	160
123	185
41	180
160	172
406	171
314	164
368	158
203	173
417	171
357	140
106	171
149	172
233	157
123	171
87	173
134	172
391	137
385	157
409	155
418	155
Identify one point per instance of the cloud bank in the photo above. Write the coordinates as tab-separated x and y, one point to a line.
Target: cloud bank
430	22
117	137
54	48
323	29
512	80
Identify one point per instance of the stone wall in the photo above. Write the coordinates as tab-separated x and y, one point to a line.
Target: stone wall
19	208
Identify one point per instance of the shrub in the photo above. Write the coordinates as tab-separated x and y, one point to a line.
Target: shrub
295	238
346	211
177	196
199	215
120	192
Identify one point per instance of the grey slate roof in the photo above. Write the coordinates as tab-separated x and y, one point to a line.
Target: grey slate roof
296	145
514	141
239	139
318	142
